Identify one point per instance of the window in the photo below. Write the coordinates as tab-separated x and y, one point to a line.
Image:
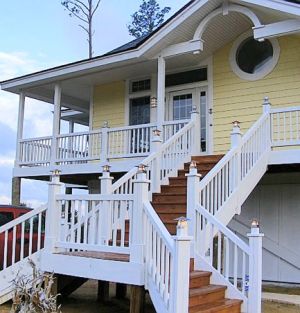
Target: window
251	59
139	111
182	106
140	85
186	77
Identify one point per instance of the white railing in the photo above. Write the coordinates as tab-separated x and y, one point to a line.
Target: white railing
219	185
285	126
35	151
167	261
230	259
78	147
160	165
95	222
103	144
170	128
129	141
222	250
159	256
21	238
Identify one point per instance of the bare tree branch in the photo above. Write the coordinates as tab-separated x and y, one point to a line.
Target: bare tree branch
85	29
97	5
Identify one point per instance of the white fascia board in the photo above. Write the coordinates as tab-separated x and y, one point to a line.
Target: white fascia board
279	5
182	48
277	29
66	71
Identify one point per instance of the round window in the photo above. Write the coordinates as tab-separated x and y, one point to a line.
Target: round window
251	59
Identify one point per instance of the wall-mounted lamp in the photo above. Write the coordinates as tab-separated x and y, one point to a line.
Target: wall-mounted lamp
153	102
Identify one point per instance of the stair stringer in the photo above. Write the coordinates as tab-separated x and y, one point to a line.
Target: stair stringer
217	279
7	276
233	205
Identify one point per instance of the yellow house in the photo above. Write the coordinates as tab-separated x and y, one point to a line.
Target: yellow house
197	120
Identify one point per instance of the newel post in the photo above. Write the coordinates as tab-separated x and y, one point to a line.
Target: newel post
53	217
236	134
141	189
105	213
156	143
266	105
193	180
195	117
181	268
104	143
255	268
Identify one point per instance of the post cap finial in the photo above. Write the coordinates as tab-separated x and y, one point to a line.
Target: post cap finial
142	168
182	222
255	223
194	109
55	172
236	123
266	100
105	124
106	168
193	165
156	132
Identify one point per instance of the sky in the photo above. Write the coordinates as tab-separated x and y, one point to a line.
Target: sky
39	34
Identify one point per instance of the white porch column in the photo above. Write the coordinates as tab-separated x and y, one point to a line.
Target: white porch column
56	121
161	80
20	126
255	268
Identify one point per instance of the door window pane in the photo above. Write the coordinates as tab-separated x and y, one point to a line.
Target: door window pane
182	106
203	117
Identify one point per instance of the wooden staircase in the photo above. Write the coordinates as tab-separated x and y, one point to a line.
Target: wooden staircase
170	204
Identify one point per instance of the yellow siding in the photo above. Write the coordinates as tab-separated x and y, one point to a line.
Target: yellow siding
109	101
237	99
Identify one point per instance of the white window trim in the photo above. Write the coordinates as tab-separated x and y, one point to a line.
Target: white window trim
265	70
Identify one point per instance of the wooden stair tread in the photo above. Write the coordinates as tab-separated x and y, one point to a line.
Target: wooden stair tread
224	305
206	290
199	274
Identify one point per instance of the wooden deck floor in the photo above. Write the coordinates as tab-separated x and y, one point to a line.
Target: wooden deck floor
99	255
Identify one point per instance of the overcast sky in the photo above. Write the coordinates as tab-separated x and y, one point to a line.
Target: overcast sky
38	34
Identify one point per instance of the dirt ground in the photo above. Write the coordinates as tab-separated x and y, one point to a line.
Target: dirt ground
84	301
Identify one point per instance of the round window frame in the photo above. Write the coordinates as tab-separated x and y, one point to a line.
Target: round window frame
265	70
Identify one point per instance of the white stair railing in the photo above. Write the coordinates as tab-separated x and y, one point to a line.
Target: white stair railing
231	259
167	261
230	182
163	163
20	239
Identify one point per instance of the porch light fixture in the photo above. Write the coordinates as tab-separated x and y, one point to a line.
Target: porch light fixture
142	168
236	124
153	102
255	223
193	164
106	168
56	172
156	132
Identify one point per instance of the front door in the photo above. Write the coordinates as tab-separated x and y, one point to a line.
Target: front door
180	107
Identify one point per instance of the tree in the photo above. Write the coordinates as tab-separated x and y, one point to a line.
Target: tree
147	18
84	10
